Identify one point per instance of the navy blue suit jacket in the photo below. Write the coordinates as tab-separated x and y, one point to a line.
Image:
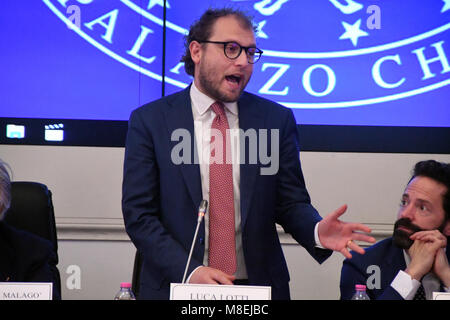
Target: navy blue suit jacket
160	199
384	254
26	258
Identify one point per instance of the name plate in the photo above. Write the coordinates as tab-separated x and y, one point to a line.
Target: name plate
26	291
179	291
441	295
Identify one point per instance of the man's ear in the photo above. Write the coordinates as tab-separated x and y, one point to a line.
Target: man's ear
196	51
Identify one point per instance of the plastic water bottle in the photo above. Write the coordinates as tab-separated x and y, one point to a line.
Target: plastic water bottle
360	293
125	292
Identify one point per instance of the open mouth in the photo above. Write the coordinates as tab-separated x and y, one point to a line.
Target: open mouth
235	79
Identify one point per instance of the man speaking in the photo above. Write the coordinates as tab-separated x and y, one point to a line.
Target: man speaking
238	241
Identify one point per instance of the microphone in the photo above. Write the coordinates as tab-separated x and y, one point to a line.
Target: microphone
201	213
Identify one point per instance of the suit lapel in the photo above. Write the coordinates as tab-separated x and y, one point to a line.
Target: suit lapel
178	115
249	118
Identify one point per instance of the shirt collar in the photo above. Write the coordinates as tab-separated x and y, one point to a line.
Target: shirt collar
201	102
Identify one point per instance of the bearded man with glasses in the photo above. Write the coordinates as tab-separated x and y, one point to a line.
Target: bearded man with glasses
237	241
414	262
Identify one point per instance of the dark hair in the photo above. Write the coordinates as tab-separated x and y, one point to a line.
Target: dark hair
439	172
202	28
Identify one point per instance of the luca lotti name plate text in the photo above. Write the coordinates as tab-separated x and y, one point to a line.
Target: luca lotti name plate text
179	291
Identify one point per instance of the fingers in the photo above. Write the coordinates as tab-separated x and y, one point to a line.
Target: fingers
433	236
223	278
428	233
352	227
339	212
363	237
430	238
346	253
353	246
207	275
359	227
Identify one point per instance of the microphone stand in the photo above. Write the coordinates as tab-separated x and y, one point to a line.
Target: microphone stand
201	214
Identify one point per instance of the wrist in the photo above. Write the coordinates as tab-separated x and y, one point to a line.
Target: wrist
316	236
414	273
191	275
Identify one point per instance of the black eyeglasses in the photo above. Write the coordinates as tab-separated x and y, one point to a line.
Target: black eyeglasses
233	50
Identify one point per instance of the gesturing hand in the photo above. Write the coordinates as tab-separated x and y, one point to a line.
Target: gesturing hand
338	235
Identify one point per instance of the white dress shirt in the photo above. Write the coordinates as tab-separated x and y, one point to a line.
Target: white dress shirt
203	118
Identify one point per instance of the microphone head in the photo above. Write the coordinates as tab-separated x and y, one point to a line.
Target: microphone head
203	206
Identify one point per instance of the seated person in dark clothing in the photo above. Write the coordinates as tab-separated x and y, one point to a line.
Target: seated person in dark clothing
24	256
414	262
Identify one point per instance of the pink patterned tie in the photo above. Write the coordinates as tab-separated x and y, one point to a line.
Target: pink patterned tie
222	246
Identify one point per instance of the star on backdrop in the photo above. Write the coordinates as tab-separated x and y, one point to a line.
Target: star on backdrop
353	32
153	3
446	6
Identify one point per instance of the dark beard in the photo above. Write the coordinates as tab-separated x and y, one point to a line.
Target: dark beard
205	75
401	238
215	93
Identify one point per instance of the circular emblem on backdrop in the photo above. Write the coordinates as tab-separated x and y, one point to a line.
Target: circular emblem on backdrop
317	54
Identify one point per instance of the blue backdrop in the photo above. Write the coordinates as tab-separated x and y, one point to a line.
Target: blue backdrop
333	62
